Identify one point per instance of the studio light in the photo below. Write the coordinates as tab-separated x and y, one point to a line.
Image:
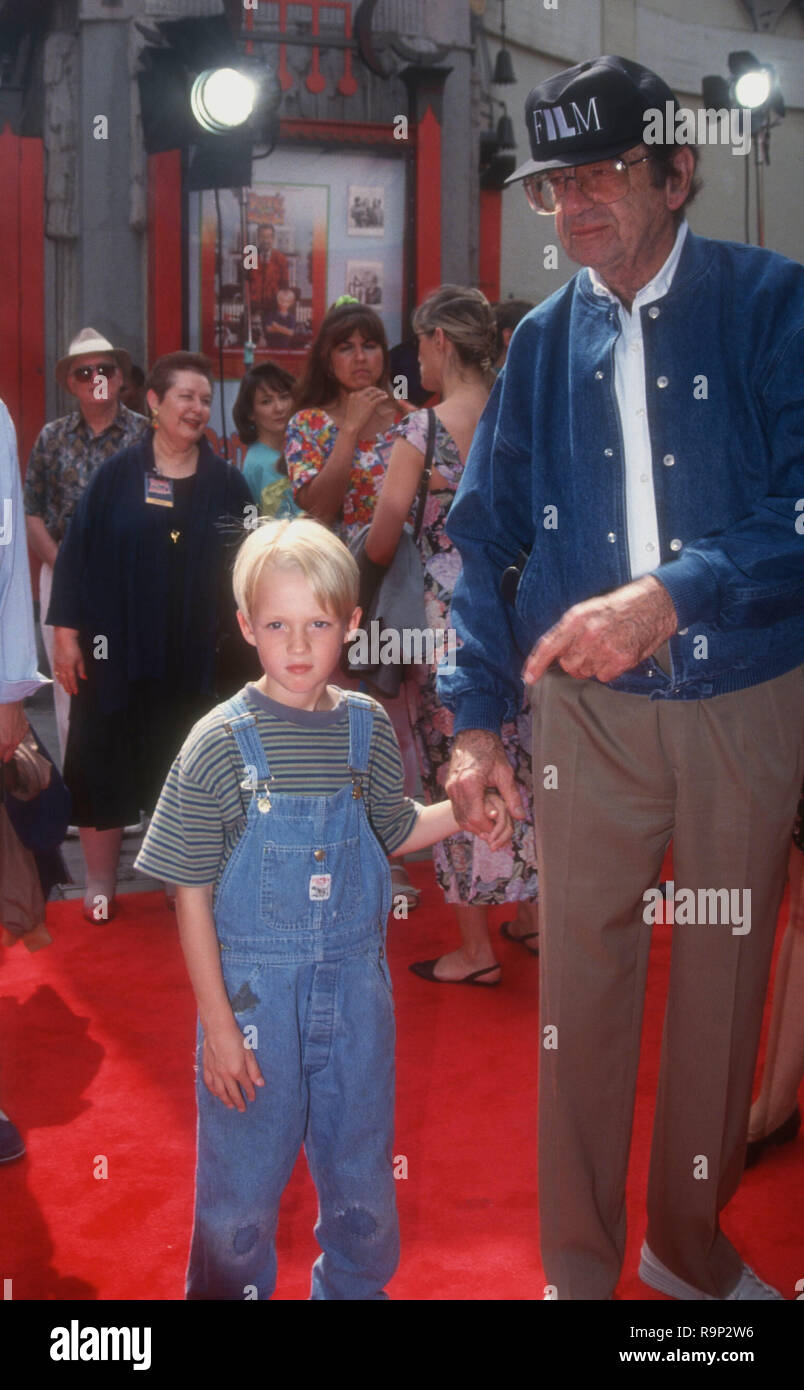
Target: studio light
753	88
222	99
754	85
200	94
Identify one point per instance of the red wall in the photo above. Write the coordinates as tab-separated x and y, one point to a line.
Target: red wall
488	269
164	255
22	303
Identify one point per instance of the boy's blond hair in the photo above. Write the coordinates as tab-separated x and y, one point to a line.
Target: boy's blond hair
302	544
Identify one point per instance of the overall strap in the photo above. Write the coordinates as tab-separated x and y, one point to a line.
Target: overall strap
241	721
361	723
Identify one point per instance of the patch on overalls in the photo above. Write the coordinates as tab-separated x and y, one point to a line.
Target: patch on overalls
320	887
244	999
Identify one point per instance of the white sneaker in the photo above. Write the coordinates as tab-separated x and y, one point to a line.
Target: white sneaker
658	1276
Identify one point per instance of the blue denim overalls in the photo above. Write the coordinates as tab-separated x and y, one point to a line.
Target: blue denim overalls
300	914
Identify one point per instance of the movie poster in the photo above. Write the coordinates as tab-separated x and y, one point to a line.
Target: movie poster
268	285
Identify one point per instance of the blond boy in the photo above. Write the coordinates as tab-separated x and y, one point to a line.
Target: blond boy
275	822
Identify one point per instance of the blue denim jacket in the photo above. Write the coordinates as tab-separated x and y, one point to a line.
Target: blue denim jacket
545	475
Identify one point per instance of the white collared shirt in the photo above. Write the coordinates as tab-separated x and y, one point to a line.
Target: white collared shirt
18	674
629	389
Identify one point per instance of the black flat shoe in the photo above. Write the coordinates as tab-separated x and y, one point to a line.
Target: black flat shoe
425	969
508	935
782	1134
11	1142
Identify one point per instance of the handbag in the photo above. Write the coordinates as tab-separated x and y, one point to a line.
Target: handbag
391	596
38	803
35	809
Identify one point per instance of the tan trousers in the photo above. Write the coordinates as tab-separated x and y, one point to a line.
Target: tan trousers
721	777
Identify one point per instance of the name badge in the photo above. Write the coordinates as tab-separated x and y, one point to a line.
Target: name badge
158	491
320	886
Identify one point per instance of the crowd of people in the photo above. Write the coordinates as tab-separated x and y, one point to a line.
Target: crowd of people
579	514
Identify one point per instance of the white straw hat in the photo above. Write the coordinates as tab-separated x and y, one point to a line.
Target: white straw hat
90	340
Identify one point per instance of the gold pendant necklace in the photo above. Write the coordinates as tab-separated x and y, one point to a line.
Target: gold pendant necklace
174	536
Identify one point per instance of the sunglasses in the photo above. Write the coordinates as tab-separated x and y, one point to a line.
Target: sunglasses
107	369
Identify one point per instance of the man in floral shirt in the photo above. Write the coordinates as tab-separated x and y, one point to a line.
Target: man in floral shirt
66	454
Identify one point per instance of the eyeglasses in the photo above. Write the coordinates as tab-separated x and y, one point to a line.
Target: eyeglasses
605	182
87	372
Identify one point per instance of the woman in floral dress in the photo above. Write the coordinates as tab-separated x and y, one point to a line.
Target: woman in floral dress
456	332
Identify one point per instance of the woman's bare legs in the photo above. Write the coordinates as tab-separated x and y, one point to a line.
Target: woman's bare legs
101	852
475	951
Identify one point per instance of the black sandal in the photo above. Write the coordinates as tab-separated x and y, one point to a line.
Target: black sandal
425	969
519	940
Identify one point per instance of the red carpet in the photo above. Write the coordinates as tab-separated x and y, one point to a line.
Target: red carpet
96	1043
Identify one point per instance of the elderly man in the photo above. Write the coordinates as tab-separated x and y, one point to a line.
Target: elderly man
66	454
18	674
632	506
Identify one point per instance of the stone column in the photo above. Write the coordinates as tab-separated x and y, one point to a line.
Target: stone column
110	249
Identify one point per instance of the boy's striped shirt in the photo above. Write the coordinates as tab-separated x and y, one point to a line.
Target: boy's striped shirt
201	811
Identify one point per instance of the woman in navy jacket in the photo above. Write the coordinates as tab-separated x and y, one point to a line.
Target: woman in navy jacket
143	610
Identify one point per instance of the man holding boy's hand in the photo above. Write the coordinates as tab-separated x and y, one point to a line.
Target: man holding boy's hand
631	505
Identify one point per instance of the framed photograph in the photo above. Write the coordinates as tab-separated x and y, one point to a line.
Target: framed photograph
364	279
365	211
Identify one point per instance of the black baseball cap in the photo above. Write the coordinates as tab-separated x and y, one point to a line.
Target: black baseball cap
595	110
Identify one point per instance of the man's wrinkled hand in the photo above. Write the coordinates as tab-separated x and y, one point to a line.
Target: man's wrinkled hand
604	637
478	765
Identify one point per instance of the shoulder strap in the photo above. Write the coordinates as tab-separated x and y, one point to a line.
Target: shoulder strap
426	472
361	723
241	722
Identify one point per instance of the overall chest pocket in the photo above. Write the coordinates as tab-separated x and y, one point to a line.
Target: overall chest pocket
303	887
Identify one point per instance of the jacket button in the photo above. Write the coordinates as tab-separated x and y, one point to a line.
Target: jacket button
676	544
598	376
669	460
661	382
318	854
611	537
653	312
608	453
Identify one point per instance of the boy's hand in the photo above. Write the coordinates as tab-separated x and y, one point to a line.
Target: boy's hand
229	1065
496	809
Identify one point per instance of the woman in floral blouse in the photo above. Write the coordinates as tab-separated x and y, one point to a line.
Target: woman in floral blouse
456	332
337	444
